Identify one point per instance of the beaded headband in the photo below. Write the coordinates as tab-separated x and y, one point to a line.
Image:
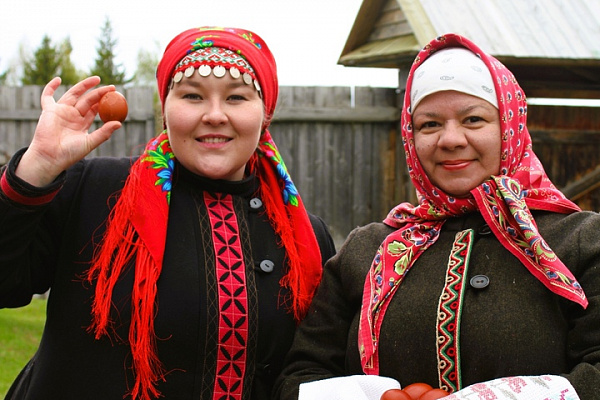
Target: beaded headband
215	60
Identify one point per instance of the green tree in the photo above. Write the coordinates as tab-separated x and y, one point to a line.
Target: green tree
68	72
147	60
3	76
105	66
44	66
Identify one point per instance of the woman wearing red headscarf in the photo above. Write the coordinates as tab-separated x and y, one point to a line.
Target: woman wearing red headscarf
182	273
488	288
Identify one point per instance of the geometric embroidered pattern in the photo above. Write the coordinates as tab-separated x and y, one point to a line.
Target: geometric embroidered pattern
449	313
233	299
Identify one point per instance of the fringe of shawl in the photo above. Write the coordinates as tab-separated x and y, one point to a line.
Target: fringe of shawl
120	244
293	227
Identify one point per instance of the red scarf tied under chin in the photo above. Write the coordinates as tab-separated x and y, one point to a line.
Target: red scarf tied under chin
504	201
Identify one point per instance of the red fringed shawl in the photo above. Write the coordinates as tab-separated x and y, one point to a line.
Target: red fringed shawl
136	230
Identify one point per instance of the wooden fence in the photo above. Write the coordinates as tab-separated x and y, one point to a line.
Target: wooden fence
341	145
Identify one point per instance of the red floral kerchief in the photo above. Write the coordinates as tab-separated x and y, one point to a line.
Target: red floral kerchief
504	201
137	225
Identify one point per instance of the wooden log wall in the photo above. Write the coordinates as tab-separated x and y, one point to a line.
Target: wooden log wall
567	141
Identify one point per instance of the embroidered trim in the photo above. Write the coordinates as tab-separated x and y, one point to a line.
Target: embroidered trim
449	313
233	298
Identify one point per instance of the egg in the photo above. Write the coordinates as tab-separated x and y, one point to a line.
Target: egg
434	394
113	107
395	394
415	390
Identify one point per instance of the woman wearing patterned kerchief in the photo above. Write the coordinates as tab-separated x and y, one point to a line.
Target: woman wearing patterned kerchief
489	287
180	274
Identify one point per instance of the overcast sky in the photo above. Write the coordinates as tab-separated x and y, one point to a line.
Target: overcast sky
306	36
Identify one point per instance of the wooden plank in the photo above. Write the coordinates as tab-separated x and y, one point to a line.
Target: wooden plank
357	114
423	29
583	186
341	159
390	17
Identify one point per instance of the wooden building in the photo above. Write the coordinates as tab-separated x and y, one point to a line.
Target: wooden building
551	46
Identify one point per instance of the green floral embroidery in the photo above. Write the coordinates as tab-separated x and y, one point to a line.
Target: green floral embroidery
290	193
163	161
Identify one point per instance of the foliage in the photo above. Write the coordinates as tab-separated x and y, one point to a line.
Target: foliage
50	61
44	66
20	333
68	72
145	74
3	76
105	66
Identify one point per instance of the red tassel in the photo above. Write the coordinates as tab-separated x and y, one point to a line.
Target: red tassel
141	334
293	226
119	245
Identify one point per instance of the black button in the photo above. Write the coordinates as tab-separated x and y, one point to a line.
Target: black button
479	281
484	230
256	203
267	266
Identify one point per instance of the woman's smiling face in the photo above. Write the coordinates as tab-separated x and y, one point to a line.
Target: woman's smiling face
457	140
214	124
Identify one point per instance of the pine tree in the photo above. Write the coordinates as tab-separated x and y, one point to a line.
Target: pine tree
44	66
68	72
3	77
145	74
105	66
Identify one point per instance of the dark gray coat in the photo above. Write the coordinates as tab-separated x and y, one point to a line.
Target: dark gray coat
515	326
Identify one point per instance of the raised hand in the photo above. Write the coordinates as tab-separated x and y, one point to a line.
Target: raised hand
61	137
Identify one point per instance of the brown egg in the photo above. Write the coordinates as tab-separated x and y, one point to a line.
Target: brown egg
395	394
434	394
113	107
415	390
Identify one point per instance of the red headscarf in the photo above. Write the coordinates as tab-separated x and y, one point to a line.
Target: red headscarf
504	201
137	226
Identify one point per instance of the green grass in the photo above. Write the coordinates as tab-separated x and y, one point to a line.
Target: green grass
20	333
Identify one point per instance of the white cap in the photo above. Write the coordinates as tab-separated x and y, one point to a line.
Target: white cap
454	68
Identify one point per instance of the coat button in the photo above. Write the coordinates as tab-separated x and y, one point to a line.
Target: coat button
267	266
479	281
255	203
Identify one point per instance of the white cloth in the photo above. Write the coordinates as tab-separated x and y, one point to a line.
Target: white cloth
543	387
354	387
371	387
454	68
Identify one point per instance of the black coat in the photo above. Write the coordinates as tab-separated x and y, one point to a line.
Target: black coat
513	326
50	246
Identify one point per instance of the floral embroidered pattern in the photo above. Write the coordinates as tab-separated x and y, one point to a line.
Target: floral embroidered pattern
160	157
202	42
290	193
248	36
513	220
206	41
